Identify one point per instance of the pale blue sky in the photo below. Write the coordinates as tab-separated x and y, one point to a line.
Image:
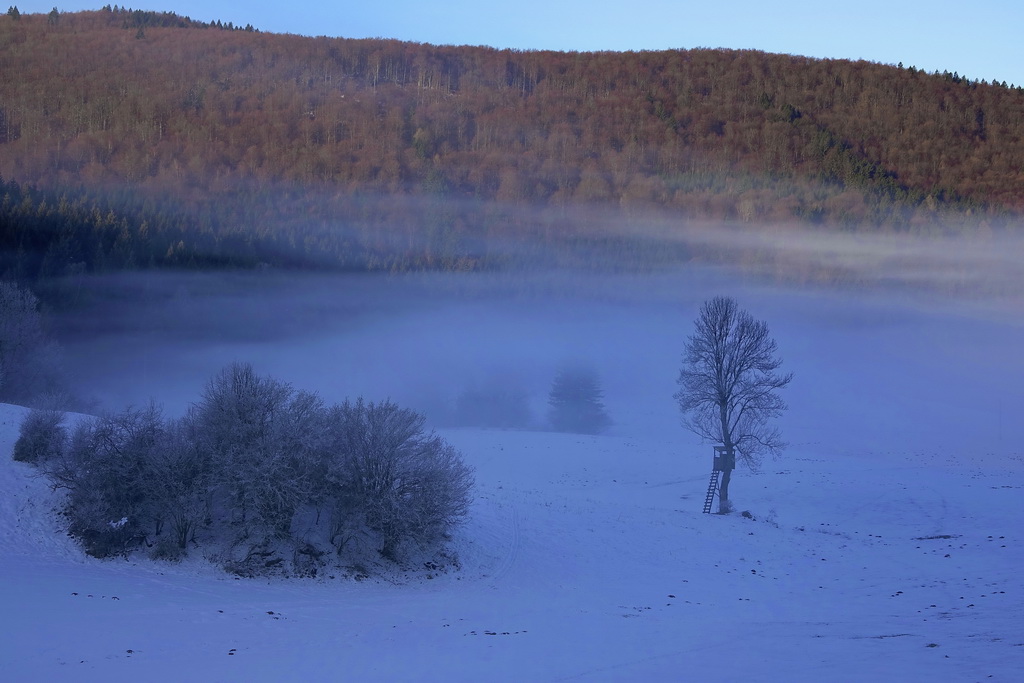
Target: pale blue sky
982	39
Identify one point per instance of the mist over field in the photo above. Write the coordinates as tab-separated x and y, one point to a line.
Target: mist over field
922	333
883	543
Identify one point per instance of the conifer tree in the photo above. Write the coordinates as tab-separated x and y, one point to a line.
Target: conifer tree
576	402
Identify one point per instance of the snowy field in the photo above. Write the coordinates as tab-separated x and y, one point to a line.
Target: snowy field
886	544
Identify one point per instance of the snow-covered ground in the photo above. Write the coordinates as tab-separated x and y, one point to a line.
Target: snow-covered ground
886	545
586	558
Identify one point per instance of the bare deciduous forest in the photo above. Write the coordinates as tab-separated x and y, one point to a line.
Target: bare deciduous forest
134	139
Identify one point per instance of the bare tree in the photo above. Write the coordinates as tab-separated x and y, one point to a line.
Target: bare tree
29	362
727	385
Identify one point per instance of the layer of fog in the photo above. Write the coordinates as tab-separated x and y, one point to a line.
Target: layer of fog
931	368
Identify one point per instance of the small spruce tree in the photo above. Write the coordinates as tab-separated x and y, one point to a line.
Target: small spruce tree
576	402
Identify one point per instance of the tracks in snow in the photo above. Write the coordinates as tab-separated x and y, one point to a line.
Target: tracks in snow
509	561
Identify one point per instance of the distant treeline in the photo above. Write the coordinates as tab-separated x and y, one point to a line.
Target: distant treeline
141	19
49	234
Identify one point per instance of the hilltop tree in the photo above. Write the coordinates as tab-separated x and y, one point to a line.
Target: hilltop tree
728	383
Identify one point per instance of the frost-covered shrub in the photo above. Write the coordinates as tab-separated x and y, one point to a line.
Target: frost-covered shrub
183	478
390	477
257	434
107	470
132	477
264	478
167	549
42	437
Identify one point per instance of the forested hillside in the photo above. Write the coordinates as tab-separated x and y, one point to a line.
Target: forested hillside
185	142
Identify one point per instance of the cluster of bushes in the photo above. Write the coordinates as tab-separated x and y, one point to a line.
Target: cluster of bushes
259	475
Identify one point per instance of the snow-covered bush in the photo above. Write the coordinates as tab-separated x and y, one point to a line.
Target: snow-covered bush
256	433
112	501
136	467
181	498
42	437
263	477
392	478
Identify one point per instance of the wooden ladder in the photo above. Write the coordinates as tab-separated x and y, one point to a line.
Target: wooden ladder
712	490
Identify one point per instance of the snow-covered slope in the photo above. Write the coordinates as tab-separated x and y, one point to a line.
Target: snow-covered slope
585	558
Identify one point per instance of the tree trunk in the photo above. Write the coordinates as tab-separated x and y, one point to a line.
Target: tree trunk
723	492
730	456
